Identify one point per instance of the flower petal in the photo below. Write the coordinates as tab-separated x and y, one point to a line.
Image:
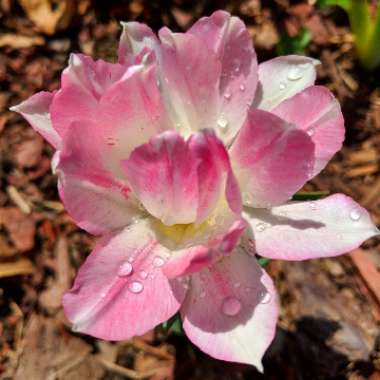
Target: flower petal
271	159
229	38
189	81
97	201
230	311
135	41
283	77
308	230
36	111
119	291
83	83
316	111
178	181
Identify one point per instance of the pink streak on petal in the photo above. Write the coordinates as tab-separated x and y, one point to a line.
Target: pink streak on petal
271	159
229	38
316	111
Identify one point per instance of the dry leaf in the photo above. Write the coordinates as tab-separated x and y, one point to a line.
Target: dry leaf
15	268
17	41
49	15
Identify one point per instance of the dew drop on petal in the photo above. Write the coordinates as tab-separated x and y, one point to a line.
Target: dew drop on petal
158	262
310	131
242	87
282	86
131	260
202	294
313	205
136	287
222	122
264	297
304	65
261	227
295	73
237	285
231	306
355	215
102	294
125	269
227	95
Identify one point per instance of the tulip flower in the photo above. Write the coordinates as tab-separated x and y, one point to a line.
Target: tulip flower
183	157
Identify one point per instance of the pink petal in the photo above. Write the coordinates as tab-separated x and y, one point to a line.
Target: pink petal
179	182
135	41
308	230
229	38
120	291
84	82
36	111
230	311
316	111
283	77
97	201
189	81
271	159
204	245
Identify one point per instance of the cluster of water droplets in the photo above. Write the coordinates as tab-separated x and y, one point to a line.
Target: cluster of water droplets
136	285
295	73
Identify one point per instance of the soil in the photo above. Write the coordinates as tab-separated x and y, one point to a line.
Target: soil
330	309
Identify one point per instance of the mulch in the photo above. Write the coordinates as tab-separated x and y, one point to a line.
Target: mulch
330	315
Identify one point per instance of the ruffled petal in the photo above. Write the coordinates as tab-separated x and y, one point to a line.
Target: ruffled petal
136	40
316	111
229	38
308	230
281	78
120	291
230	311
36	110
178	181
271	159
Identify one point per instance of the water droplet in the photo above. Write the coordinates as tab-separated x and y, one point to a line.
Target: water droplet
295	73
143	275
136	287
231	306
313	205
158	262
304	65
355	215
237	69
264	297
103	294
227	95
282	86
202	295
131	259
125	269
310	131
237	285
242	87
261	227
222	122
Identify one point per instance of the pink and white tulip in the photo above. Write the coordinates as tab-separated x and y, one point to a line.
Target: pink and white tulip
183	157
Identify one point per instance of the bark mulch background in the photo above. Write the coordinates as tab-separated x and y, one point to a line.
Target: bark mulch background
329	323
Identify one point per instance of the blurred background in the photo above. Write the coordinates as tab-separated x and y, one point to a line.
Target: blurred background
329	322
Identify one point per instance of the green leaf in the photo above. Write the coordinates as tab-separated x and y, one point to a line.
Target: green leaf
345	4
174	325
309	195
294	45
263	261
